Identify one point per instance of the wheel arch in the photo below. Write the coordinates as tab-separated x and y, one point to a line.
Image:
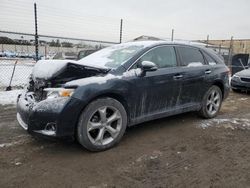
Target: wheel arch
221	86
115	96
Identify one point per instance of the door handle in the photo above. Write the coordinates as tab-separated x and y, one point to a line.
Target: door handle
208	71
178	76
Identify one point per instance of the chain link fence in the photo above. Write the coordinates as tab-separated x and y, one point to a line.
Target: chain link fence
18	54
37	32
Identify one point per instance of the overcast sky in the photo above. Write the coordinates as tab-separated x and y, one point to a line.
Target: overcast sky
99	19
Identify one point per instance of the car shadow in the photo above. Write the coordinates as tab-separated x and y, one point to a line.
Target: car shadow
247	93
69	145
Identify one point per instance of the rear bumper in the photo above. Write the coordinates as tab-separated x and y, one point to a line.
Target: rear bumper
51	117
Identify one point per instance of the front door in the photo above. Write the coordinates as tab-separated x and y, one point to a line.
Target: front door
157	90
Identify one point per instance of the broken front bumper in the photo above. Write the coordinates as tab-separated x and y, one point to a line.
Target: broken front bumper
51	117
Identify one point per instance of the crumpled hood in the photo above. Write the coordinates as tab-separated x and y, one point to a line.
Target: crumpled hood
45	69
92	80
243	73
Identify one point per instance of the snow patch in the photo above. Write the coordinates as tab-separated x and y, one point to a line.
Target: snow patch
46	68
91	80
232	123
155	155
18	163
195	64
132	72
9	97
5	145
243	99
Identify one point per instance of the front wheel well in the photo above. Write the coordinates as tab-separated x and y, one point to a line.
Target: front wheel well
116	97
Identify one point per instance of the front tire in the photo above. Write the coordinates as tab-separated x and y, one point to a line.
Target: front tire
211	103
102	124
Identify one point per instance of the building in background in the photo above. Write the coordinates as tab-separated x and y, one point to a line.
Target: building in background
240	46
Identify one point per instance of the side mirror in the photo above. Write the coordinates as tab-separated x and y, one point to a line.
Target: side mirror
148	66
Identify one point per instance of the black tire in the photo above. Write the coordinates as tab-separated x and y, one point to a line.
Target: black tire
84	136
204	111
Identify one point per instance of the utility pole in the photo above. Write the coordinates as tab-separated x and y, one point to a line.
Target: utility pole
207	40
230	52
36	34
121	27
172	35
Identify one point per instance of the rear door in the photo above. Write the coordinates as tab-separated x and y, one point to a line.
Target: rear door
193	70
215	69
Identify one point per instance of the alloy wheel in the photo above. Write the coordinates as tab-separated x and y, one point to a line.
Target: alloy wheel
104	125
213	102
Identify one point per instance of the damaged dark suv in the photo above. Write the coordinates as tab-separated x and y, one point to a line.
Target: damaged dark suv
96	98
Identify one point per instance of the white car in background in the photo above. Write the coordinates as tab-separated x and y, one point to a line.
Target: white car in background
10	54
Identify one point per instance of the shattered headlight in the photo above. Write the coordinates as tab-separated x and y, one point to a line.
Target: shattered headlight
58	92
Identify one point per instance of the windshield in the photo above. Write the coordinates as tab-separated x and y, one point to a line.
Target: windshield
114	56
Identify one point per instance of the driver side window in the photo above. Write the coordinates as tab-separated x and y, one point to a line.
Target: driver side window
163	57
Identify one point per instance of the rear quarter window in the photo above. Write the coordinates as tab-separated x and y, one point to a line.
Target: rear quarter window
191	57
210	60
218	59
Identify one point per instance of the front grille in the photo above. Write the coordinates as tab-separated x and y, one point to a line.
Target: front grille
245	79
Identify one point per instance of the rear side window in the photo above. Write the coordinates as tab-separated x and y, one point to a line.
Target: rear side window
191	57
210	60
163	57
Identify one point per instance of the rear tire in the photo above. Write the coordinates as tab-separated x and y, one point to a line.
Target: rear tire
211	103
102	124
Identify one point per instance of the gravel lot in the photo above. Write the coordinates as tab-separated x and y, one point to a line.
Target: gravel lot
180	151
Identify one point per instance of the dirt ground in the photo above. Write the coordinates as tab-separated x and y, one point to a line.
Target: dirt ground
180	151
